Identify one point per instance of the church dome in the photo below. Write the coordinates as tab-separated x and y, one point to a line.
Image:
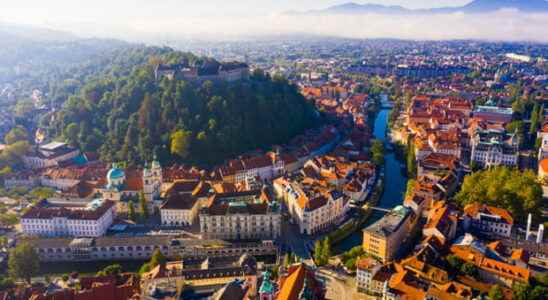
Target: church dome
115	173
115	177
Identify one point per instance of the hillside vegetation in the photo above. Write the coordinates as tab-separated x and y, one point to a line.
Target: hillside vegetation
129	118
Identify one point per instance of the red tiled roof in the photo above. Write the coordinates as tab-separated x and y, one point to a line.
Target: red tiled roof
475	208
134	179
37	212
180	201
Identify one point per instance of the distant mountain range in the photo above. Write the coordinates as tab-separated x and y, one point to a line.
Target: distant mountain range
11	31
476	6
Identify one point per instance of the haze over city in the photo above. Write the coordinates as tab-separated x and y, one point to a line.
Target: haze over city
161	21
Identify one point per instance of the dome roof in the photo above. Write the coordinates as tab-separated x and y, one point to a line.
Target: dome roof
115	173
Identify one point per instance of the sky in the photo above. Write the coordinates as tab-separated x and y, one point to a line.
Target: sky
55	11
158	21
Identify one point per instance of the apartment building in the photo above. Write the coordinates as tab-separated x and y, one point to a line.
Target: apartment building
488	219
240	215
383	238
313	207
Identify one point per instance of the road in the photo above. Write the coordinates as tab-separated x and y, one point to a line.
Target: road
298	244
337	286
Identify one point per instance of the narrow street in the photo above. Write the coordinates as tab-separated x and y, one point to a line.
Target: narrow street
294	242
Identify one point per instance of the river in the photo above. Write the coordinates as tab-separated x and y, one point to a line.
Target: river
394	186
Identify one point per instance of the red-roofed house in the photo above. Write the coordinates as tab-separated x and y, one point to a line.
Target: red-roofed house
488	219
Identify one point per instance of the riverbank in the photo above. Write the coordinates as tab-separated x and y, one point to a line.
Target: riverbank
394	177
364	213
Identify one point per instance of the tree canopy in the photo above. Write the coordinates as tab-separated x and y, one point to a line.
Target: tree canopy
519	192
23	262
16	134
377	152
180	143
129	118
114	269
495	293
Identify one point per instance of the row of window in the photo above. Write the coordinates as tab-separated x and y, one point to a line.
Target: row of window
103	249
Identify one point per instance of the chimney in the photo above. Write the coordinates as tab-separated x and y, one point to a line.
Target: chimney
528	233
540	234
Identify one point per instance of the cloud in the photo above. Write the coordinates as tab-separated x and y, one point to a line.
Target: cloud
505	25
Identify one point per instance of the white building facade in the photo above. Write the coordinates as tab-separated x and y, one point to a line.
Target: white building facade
90	221
312	214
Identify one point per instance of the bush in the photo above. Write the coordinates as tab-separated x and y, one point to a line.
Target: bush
145	268
454	261
6	283
115	269
350	264
469	269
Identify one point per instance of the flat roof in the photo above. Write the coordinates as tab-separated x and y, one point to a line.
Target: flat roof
52	146
390	223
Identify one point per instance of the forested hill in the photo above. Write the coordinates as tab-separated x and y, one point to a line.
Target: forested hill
131	117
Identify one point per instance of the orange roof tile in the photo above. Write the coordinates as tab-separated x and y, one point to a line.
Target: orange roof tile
475	208
544	165
293	284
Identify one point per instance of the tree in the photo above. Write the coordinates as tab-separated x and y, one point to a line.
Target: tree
9	219
542	278
23	107
326	250
350	264
6	283
157	258
534	120
5	171
129	113
114	269
40	193
23	262
288	259
12	155
131	211
16	134
521	291
474	167
180	143
377	152
519	192
143	206
454	261
517	127
411	183
538	293
469	269
495	293
318	253
71	134
145	268
411	160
